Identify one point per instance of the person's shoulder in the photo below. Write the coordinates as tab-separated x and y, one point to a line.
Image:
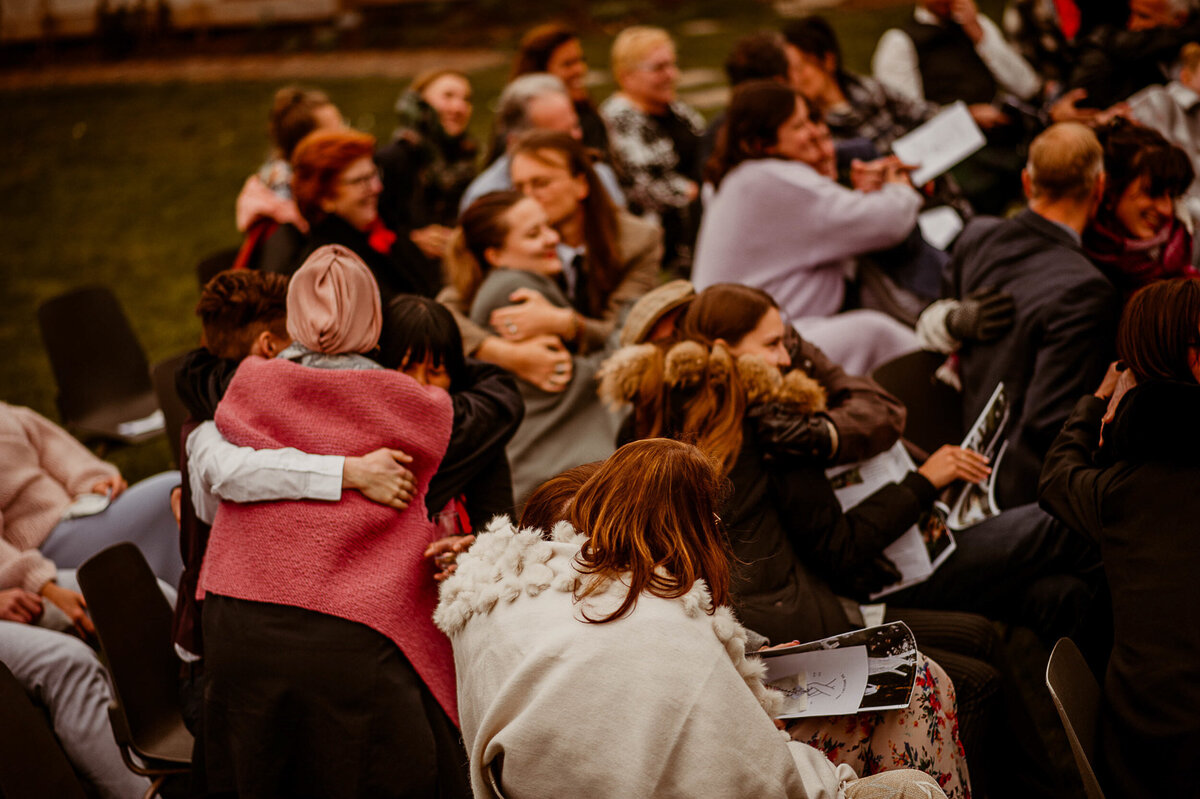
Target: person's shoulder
617	106
634	229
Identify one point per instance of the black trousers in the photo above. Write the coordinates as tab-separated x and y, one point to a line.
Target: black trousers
301	704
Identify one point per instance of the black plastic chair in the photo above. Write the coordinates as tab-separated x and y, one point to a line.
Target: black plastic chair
174	412
32	764
219	261
133	623
1076	696
934	408
104	389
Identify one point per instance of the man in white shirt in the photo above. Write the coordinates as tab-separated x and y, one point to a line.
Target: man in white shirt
907	59
947	52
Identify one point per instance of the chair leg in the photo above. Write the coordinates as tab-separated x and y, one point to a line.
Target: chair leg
155	786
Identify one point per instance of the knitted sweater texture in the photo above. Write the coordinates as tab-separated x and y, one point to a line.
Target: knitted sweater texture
354	559
44	469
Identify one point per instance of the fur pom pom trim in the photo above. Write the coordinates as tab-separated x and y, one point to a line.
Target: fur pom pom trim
621	374
685	364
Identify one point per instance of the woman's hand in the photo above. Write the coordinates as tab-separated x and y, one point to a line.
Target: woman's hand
1117	380
381	477
542	361
72	604
112	486
445	552
431	240
952	463
869	176
17	604
531	315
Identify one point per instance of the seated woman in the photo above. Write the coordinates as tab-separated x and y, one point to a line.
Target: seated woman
780	222
858	106
612	665
1136	236
60	504
265	201
555	48
505	248
337	187
1123	471
798	550
317	628
788	534
655	138
430	161
610	258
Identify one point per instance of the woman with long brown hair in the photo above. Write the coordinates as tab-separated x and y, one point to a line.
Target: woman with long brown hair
797	551
606	662
555	48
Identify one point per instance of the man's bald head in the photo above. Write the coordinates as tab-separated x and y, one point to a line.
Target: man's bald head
1065	163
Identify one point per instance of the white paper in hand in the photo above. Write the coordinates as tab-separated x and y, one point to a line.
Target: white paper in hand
940	143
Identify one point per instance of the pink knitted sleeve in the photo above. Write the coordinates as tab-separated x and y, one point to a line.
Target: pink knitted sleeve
61	455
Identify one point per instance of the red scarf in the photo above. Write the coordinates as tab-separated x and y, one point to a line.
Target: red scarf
379	237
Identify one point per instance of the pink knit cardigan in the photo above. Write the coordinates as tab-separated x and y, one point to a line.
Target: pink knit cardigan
354	559
42	469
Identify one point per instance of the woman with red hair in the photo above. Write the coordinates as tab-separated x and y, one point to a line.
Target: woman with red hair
336	186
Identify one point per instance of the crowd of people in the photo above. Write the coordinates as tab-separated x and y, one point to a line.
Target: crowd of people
503	463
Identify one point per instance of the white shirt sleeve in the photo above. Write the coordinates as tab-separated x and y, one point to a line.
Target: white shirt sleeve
895	64
218	470
1007	66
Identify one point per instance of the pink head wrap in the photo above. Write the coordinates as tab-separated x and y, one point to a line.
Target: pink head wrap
333	303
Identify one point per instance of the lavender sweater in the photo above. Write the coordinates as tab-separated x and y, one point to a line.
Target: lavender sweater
783	227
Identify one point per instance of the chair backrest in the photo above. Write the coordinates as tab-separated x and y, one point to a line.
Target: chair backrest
174	412
1076	695
133	623
31	761
216	262
97	360
934	408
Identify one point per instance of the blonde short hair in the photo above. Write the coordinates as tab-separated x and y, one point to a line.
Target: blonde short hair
632	45
1189	56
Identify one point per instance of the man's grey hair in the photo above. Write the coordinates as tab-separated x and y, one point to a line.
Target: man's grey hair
512	109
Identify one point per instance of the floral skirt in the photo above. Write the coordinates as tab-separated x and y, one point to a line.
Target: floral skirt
922	736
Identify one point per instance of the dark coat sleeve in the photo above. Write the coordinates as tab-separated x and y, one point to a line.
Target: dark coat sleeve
838	543
486	415
1072	486
867	418
1074	352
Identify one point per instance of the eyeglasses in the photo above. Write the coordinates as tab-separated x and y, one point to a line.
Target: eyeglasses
362	182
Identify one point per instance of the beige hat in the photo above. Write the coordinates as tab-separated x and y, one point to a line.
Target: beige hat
653	306
333	303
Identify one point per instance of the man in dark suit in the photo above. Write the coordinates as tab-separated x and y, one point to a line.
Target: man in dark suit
1066	310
